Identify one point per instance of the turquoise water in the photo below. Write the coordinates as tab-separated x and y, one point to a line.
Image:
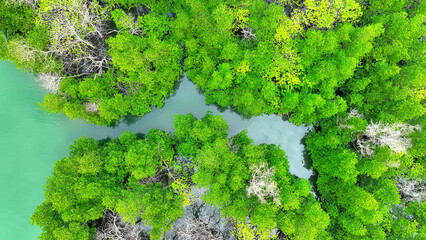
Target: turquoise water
31	141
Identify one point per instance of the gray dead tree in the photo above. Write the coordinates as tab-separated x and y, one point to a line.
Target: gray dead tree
382	134
129	22
113	226
77	35
200	222
248	33
411	190
27	55
263	185
342	123
91	107
49	81
395	135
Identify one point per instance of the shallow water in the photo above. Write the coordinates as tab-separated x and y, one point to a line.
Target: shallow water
31	141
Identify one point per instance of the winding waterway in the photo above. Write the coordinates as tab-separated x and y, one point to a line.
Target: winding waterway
31	141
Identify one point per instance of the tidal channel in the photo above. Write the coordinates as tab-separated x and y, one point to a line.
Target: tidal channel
31	140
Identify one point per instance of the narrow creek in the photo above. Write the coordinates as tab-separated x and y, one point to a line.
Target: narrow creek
31	141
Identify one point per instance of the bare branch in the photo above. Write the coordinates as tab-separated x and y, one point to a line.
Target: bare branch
201	221
28	56
352	114
383	134
248	33
49	81
114	227
77	35
91	107
412	190
262	184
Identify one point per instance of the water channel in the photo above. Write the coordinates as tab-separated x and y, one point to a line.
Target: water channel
31	141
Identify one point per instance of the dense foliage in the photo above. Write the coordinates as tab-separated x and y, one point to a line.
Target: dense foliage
354	69
359	184
144	179
98	62
309	59
359	192
109	175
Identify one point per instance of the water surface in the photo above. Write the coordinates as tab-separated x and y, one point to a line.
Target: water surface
31	141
